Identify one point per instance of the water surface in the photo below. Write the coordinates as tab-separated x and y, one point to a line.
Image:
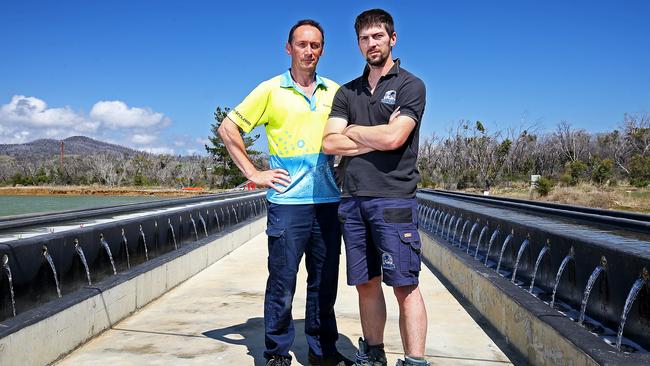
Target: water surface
18	205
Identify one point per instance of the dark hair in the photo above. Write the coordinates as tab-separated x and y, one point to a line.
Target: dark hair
373	17
311	22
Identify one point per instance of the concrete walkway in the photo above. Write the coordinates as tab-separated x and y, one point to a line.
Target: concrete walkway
216	318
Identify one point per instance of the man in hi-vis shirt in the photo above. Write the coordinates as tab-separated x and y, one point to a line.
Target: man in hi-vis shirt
303	196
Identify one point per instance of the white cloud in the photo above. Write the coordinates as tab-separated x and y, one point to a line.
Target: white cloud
26	118
143	139
33	112
116	114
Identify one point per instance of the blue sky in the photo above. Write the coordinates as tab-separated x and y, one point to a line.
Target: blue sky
149	74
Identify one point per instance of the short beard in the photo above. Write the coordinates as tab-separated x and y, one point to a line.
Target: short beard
381	61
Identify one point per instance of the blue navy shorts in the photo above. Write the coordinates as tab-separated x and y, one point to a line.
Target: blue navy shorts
381	238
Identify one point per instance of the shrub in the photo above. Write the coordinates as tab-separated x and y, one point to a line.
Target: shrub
17	179
640	171
602	171
544	186
577	171
565	180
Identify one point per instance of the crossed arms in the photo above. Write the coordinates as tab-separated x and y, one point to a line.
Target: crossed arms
339	138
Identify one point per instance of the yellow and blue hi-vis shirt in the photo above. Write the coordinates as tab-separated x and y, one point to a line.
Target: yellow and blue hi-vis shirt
294	128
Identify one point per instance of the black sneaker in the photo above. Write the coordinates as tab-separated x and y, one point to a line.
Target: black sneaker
279	361
335	360
370	355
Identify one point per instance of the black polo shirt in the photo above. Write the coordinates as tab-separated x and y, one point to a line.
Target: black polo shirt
382	173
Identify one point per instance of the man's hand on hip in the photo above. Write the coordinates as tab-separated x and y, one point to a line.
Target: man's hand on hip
269	178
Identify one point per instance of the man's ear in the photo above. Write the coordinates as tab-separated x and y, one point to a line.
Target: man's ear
287	47
393	39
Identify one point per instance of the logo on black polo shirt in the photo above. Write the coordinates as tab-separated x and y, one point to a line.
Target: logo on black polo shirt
389	97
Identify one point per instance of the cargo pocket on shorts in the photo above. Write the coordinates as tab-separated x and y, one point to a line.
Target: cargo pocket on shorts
410	250
277	246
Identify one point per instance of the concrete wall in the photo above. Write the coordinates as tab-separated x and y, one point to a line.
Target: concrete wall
51	338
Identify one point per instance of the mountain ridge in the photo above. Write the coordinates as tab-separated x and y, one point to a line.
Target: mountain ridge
73	145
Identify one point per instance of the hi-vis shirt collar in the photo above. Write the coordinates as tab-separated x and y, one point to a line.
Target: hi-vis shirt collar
286	81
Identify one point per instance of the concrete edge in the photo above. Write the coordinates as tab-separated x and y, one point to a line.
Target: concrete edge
527	332
48	340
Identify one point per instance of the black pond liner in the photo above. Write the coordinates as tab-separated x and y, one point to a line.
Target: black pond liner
33	281
626	255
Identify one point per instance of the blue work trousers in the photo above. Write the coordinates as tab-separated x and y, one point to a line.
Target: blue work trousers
294	230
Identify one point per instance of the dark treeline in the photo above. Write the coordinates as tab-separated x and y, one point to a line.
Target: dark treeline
472	156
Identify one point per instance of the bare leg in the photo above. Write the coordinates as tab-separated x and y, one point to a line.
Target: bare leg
412	319
372	309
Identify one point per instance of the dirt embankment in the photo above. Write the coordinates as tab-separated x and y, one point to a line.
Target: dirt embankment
624	198
101	191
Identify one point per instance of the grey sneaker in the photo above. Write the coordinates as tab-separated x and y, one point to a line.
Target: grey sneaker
370	355
411	362
279	361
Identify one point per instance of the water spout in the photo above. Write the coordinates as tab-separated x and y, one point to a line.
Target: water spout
432	218
590	284
634	291
422	214
494	236
462	233
108	251
560	270
171	227
503	249
196	233
440	217
451	222
480	239
444	224
540	256
156	236
5	265
51	262
205	227
144	242
522	248
235	212
126	249
471	233
80	251
216	217
453	238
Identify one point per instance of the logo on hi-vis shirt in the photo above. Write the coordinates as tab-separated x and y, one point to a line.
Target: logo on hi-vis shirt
389	97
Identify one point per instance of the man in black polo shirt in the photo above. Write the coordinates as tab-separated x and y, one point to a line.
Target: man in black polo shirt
374	124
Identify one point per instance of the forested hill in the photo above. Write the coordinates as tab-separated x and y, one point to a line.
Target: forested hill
75	145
